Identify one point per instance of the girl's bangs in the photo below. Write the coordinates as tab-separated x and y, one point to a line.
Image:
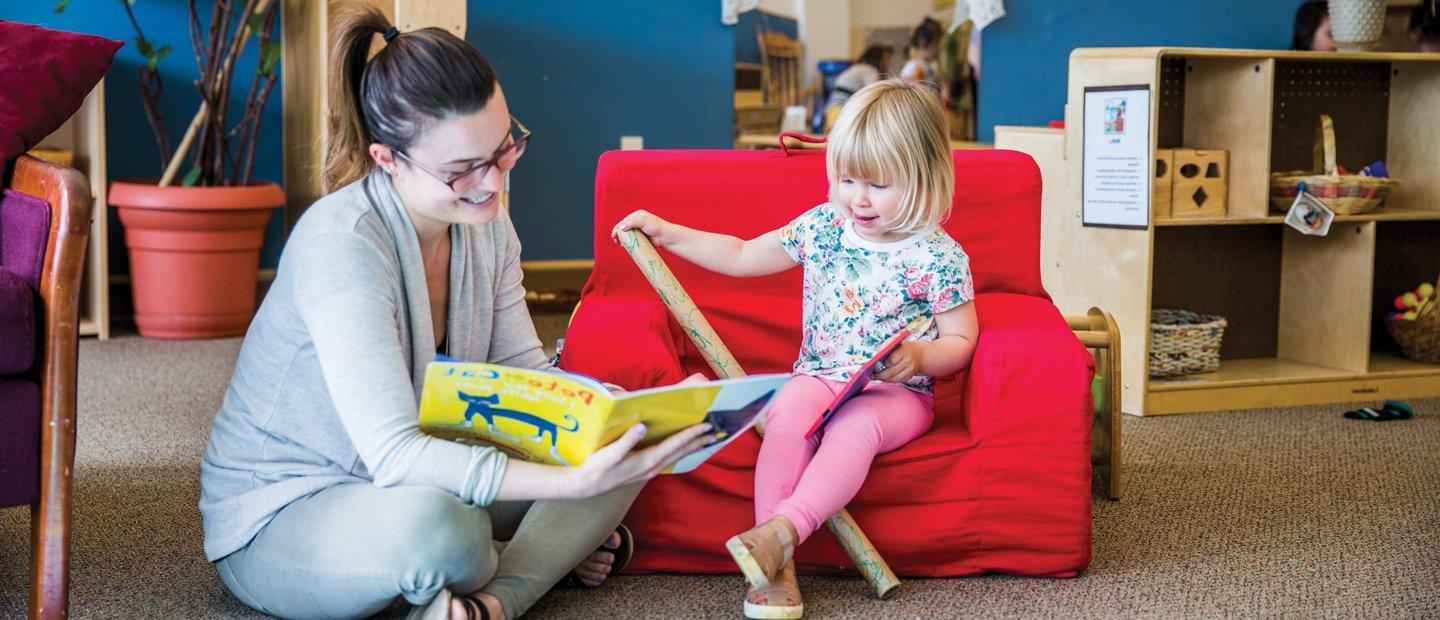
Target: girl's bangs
862	153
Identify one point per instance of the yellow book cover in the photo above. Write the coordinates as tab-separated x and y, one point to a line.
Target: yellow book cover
561	418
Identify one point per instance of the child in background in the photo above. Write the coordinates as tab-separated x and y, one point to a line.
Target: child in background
874	258
925	43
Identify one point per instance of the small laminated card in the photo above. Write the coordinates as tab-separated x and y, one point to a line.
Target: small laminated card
1308	215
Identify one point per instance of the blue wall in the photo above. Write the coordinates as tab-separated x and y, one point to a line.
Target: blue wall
130	144
1026	54
580	74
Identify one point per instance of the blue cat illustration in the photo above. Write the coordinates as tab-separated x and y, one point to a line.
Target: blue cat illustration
483	407
726	422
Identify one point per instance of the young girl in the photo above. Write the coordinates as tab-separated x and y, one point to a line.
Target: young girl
875	258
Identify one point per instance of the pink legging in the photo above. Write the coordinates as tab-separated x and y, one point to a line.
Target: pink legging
809	480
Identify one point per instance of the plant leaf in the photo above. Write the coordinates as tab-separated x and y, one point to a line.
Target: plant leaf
162	52
269	55
191	177
257	21
60	6
143	46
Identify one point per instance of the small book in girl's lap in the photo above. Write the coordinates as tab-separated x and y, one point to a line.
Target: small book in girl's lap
863	376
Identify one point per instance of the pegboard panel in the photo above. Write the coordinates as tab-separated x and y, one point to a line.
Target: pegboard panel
1232	271
1355	94
1171	119
1405	256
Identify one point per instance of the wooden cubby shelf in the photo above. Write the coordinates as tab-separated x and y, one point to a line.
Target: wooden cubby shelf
1304	313
1388	214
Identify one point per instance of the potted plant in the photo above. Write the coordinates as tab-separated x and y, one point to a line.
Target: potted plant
195	241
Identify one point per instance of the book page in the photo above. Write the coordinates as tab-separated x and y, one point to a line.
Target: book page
732	406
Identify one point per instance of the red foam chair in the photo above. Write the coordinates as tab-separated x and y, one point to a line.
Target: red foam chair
1000	483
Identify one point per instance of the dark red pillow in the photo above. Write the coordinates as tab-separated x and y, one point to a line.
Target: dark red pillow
44	77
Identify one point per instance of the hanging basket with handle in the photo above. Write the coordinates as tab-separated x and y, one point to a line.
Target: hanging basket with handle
1345	194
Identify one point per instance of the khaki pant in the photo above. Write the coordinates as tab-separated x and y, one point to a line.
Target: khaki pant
348	551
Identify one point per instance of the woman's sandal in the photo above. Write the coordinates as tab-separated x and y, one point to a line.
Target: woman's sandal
439	608
623	553
759	570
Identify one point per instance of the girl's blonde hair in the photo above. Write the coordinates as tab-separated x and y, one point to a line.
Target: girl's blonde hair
895	132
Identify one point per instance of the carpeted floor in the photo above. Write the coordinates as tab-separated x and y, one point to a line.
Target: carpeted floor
1293	512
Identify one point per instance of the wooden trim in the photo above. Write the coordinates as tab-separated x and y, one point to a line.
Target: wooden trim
1387	213
1155	53
305	35
556	275
576	264
1369	388
68	193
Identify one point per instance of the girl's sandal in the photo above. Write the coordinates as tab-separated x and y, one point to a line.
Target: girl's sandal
623	553
759	561
779	601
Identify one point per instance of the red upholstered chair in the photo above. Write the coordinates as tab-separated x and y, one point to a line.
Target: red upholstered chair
1001	483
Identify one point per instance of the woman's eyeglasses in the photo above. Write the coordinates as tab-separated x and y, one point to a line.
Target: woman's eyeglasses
504	159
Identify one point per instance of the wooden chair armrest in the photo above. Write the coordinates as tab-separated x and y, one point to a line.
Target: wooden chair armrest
68	194
1098	330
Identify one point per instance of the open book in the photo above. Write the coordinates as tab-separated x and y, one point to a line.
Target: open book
862	377
561	418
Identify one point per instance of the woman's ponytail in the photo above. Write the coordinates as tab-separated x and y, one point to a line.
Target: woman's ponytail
346	152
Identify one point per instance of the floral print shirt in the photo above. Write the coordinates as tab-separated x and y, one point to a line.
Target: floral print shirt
859	293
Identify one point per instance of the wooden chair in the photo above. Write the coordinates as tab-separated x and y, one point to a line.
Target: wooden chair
781	74
68	194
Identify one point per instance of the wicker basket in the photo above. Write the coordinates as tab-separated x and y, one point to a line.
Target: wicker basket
1345	194
1184	342
1419	340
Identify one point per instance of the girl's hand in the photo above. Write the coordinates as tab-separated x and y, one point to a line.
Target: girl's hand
903	363
643	221
616	466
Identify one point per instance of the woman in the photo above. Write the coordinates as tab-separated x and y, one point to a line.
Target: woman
1312	28
320	496
867	70
1425	27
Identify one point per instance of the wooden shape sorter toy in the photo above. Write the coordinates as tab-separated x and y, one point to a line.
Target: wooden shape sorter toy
1202	179
1164	182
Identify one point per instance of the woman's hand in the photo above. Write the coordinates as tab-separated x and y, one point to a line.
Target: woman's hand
653	227
903	363
615	466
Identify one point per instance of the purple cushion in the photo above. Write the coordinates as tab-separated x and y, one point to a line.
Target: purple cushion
17	324
47	75
19	442
24	230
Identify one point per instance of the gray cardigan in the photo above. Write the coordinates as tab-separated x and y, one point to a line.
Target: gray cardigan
326	388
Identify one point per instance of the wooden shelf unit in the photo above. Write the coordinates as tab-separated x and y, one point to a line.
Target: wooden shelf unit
84	136
1303	312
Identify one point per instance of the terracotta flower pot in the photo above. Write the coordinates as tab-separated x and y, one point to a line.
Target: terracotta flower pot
194	253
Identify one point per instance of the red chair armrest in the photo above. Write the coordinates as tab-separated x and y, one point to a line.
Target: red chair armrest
627	342
1029	380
